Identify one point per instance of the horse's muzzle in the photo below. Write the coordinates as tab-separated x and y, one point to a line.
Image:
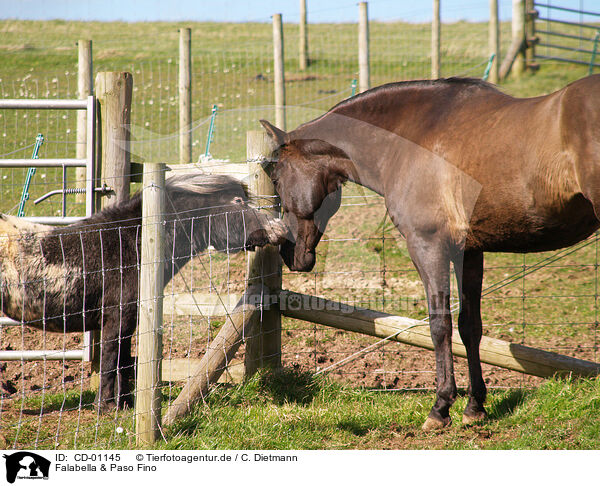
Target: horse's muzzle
295	258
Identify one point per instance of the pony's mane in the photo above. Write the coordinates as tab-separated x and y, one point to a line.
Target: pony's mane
176	186
205	184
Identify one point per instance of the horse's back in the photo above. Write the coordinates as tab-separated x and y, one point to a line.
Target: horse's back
539	172
528	159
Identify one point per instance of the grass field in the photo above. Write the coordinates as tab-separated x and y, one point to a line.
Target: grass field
372	402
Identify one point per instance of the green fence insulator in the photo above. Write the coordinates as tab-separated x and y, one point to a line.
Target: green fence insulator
39	140
486	73
211	129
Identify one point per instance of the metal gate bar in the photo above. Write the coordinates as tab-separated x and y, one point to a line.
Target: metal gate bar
89	163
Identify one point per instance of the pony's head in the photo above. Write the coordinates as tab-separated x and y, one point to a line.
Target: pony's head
309	184
215	210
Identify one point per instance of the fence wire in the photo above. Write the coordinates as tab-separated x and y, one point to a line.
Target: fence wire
537	300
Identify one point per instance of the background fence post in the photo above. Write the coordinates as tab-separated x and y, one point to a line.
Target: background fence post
435	41
114	91
364	73
303	40
185	95
518	35
278	68
530	37
84	89
149	351
494	42
263	347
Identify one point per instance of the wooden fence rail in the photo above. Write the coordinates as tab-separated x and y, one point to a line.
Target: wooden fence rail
512	356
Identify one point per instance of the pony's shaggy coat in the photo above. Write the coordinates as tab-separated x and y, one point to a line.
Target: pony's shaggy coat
84	276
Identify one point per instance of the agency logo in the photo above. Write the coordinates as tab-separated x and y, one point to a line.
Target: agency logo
26	465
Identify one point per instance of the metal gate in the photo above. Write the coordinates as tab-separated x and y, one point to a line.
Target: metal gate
567	34
89	162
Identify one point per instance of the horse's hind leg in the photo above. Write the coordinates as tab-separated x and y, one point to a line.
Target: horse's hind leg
469	275
433	265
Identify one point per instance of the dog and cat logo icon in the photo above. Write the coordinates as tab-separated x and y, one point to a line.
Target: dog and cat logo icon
26	465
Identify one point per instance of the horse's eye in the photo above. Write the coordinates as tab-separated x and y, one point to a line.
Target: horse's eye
238	200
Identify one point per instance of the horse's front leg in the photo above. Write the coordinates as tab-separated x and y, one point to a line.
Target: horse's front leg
469	274
433	264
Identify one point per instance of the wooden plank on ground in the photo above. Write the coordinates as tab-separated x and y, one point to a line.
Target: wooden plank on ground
497	352
199	304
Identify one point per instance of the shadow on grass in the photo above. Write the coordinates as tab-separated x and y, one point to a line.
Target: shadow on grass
354	427
507	404
290	385
55	403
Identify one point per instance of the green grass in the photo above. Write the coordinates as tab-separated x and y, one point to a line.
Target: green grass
561	414
555	308
291	409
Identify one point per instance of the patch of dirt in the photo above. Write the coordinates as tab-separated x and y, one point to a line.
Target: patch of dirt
354	274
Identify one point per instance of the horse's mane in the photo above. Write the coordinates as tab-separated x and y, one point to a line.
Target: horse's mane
423	83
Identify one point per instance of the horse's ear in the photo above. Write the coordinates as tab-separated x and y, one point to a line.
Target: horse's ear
278	136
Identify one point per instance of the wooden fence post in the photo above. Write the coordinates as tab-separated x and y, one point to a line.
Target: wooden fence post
114	91
303	40
518	35
436	29
185	96
364	73
149	351
263	347
84	89
494	42
219	353
530	37
279	71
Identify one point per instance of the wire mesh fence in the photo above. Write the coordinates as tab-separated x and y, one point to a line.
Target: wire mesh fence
538	300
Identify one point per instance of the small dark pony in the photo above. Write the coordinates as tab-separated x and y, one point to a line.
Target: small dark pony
84	276
464	169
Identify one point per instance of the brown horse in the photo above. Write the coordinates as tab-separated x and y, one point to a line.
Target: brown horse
464	169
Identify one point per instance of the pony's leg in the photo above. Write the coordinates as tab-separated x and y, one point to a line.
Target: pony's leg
470	276
109	352
433	265
125	365
124	375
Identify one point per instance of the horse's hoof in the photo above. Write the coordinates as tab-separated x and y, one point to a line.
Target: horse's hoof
473	418
435	424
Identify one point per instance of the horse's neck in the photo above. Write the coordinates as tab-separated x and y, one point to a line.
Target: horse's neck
368	147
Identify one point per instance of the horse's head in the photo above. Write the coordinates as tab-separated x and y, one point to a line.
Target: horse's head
309	182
